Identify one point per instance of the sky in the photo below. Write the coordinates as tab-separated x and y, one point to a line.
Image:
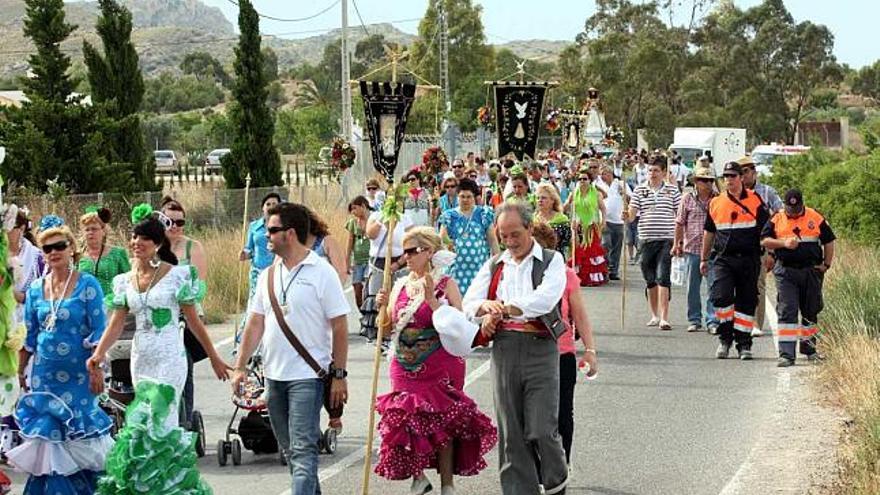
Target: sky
853	22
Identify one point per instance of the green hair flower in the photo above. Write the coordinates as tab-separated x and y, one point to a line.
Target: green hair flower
92	209
517	170
141	212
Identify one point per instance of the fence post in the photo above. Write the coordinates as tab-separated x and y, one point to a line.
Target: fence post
306	167
288	172
216	220
324	188
45	201
100	199
302	195
296	166
148	198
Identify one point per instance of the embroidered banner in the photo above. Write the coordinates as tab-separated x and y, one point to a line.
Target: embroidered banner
387	107
518	111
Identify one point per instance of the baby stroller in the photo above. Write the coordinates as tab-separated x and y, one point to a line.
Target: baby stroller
120	387
254	430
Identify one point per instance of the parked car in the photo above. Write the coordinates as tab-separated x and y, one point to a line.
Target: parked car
212	161
166	162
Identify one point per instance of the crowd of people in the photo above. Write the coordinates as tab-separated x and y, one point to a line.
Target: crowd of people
483	254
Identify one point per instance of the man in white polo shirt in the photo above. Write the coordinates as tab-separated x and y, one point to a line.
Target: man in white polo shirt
310	295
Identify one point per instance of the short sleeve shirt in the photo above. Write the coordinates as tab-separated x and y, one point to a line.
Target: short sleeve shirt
313	295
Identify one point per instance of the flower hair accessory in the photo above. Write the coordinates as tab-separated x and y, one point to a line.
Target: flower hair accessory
92	209
140	212
50	222
441	260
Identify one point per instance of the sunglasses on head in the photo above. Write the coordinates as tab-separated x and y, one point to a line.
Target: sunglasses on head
55	246
413	250
275	230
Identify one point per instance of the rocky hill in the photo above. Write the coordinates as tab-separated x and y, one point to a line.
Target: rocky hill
166	30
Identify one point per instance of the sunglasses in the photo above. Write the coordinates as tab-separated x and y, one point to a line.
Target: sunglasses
472	176
55	246
458	166
180	223
372	188
275	230
584	178
705	180
451	187
413	251
730	176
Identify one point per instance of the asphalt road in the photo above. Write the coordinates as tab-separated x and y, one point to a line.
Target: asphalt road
663	417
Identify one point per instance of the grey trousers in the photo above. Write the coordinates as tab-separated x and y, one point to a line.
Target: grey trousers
612	242
525	373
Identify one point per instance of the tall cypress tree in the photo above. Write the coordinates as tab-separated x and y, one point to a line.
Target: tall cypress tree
252	150
118	86
54	134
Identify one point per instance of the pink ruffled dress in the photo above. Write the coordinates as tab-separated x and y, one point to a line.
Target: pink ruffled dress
427	408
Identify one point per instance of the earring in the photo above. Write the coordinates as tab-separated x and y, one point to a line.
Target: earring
155	261
71	265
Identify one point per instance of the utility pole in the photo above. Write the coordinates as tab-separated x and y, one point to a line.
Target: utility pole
444	63
346	76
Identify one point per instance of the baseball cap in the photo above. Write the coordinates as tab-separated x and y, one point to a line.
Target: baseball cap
703	172
732	168
746	161
794	200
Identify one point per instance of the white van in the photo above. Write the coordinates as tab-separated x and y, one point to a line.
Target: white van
764	155
723	144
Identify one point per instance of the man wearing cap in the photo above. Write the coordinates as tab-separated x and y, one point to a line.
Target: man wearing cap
688	242
771	200
732	239
802	244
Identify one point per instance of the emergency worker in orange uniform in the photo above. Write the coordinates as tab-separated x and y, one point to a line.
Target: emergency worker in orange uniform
803	246
733	241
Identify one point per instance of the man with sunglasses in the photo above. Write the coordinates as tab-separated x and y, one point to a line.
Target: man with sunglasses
309	296
771	200
732	239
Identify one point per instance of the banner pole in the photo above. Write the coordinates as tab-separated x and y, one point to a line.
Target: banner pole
383	322
244	230
625	261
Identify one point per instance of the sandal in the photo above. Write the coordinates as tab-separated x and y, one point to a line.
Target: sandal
665	326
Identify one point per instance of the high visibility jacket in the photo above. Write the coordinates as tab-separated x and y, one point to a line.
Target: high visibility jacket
737	225
810	229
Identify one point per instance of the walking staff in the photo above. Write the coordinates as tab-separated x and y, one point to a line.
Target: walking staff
244	233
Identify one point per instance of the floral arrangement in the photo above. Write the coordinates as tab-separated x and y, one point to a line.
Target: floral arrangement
433	160
342	155
485	116
50	222
613	136
552	123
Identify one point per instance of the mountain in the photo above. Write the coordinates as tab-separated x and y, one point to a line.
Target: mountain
166	30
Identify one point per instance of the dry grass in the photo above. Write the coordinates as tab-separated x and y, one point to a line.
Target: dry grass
851	328
222	301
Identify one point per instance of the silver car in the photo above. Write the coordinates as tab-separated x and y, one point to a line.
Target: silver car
212	161
166	162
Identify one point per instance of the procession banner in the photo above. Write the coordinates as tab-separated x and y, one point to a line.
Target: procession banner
573	124
518	112
387	107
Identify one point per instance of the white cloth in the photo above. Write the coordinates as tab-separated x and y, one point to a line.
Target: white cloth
614	199
516	285
158	353
379	244
641	172
39	457
314	298
456	332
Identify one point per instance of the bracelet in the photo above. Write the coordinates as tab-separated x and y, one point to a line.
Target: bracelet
240	368
591	351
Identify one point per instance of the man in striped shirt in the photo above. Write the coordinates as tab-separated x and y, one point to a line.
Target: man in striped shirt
656	203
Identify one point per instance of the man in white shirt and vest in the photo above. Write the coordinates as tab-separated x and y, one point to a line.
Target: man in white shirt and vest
309	295
517	295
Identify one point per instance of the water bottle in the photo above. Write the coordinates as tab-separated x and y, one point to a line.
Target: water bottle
679	271
585	369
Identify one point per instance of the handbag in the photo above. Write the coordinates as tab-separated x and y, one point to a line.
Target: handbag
300	349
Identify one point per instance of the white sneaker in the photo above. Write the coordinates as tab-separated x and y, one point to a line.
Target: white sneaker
420	486
653	322
757	332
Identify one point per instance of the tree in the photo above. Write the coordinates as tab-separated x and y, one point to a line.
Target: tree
370	50
55	134
867	81
470	58
253	150
270	64
117	84
204	66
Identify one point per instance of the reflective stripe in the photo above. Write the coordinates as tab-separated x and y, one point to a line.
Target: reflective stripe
809	331
724	314
788	332
743	322
737	225
808	239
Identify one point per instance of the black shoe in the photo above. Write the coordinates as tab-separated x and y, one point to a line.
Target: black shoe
613	277
784	362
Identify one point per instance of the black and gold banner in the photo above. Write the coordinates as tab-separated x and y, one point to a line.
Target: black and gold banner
518	111
387	107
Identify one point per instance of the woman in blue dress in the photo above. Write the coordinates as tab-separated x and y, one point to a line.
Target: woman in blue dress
67	435
470	228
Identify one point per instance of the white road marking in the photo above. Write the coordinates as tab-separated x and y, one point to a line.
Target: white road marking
783	387
358	455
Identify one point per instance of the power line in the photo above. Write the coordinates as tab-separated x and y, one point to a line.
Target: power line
358	11
272	18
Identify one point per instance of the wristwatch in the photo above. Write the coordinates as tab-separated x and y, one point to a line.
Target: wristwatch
338	373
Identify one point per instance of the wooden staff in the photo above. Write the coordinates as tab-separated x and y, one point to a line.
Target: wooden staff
244	232
383	321
625	261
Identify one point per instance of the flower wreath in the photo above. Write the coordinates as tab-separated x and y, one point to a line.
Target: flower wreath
552	120
433	160
342	155
485	116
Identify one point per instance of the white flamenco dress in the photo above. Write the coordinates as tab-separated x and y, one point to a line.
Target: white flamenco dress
152	453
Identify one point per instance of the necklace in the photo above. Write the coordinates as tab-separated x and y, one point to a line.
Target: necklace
285	289
466	232
55	303
144	296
